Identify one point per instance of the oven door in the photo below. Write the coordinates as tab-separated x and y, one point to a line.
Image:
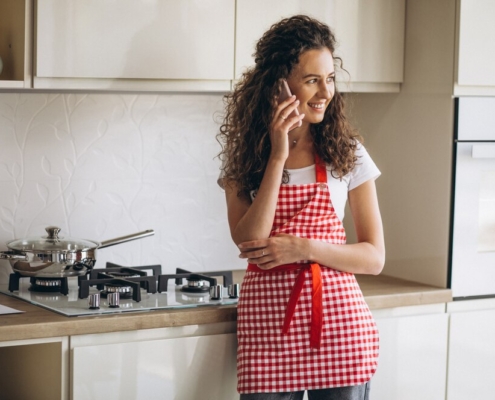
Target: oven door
473	224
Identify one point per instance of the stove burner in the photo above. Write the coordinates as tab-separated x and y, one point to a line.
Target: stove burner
49	285
113	288
197	284
48	282
123	290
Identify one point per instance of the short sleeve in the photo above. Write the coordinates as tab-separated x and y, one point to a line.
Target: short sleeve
364	170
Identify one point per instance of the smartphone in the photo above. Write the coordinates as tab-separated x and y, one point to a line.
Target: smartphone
285	93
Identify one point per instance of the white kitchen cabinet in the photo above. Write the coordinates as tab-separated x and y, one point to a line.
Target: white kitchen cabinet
15	43
35	369
413	353
475	48
147	45
191	362
370	37
471	350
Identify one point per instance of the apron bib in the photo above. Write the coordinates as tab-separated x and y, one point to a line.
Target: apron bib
301	326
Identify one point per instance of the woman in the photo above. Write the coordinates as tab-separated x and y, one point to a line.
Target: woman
302	320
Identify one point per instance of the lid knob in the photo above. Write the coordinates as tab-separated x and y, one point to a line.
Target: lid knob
52	232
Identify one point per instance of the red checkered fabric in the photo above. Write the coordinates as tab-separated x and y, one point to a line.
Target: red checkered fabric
269	361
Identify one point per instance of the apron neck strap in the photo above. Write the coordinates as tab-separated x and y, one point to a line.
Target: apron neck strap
320	169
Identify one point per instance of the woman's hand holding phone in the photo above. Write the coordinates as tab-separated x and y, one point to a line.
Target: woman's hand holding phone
285	119
289	112
285	93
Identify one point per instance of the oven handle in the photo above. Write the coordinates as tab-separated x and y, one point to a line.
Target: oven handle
483	151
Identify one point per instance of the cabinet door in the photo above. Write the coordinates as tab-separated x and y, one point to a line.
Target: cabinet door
35	369
370	36
476	35
413	358
200	367
471	355
131	39
15	43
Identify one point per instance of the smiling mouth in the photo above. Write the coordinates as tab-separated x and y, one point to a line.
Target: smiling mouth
317	106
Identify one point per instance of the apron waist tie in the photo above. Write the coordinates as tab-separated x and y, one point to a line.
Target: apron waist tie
316	297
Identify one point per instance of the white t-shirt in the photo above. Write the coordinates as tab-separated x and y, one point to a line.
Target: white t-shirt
364	170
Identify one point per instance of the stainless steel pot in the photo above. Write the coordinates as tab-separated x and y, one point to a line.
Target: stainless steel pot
54	256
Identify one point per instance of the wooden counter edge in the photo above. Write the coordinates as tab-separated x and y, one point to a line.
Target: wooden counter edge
46	324
37	322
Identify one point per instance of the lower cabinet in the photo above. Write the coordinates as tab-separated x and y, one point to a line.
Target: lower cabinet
155	364
34	369
413	353
471	350
426	352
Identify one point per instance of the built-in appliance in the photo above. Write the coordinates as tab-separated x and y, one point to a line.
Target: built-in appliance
472	266
122	289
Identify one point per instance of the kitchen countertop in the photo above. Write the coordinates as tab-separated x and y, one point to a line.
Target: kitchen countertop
35	322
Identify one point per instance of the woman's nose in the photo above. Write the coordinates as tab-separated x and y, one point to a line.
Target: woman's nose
325	91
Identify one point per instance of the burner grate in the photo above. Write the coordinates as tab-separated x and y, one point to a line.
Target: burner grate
114	274
182	274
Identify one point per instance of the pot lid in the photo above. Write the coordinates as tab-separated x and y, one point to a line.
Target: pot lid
52	242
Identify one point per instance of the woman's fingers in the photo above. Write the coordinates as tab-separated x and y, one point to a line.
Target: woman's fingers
287	111
274	251
254	254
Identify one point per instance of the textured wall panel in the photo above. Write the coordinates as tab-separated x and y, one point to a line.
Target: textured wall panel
105	165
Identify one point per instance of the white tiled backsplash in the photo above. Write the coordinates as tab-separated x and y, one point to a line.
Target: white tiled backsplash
100	166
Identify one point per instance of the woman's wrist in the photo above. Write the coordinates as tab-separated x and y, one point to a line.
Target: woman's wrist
277	160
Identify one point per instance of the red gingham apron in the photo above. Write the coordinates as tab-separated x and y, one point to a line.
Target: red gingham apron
299	326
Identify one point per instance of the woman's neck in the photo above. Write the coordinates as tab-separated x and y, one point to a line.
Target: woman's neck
301	152
301	133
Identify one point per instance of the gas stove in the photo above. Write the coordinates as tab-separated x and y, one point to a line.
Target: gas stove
118	289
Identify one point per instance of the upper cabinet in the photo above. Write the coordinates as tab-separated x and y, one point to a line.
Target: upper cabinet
370	37
184	45
475	48
129	44
15	43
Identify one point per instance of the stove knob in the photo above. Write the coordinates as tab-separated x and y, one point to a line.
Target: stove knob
94	301
113	300
216	292
234	291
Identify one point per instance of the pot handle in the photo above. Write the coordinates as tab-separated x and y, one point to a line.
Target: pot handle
10	255
128	238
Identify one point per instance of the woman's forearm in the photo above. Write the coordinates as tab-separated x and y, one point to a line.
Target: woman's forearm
358	258
256	222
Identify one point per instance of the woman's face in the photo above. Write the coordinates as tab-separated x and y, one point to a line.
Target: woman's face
313	82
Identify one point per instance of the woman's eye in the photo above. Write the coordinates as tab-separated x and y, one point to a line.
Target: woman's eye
312	81
331	79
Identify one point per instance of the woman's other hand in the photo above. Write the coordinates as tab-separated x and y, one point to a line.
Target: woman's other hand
274	251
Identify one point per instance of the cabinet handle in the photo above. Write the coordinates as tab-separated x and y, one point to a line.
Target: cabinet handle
483	151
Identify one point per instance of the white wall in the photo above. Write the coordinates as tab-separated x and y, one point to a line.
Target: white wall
105	165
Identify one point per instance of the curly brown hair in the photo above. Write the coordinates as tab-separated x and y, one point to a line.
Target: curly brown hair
249	108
